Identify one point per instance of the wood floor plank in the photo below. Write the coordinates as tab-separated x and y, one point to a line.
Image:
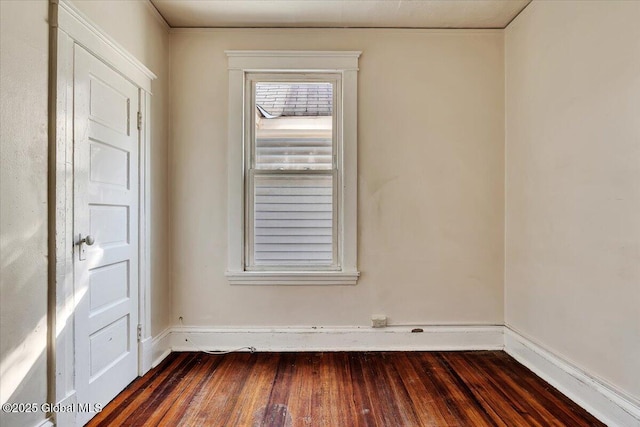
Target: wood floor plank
338	405
210	404
252	398
132	399
431	389
277	411
506	393
497	402
301	396
384	408
518	382
400	394
177	408
158	397
458	399
425	401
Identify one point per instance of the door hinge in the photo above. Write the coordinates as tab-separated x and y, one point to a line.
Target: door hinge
139	120
139	332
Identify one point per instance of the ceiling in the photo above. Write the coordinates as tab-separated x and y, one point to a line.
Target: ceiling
340	13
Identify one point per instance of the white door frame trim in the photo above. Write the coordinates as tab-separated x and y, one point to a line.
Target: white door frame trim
68	26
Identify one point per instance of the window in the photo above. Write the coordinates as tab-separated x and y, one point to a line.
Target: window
293	174
292	167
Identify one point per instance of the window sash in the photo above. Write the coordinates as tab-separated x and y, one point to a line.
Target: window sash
252	172
256	175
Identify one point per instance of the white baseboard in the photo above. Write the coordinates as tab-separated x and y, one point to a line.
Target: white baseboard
145	348
160	347
609	405
391	338
45	423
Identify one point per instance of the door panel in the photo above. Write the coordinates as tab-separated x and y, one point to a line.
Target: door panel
109	224
106	146
109	165
109	106
108	285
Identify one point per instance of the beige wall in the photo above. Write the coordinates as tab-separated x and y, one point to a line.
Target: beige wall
431	134
23	206
573	184
134	25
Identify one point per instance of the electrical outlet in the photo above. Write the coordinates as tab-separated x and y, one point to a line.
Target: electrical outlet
378	321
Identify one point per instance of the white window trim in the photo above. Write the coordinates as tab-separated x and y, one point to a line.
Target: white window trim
242	62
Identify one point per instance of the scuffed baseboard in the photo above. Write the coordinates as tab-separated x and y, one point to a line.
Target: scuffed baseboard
391	338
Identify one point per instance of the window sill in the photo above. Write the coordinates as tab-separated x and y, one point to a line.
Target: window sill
292	277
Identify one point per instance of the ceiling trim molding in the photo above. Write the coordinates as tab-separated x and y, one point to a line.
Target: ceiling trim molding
517	14
338	28
158	16
290	29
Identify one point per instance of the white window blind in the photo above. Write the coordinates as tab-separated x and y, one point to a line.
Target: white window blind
293	220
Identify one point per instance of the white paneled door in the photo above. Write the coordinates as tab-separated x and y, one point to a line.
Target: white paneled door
105	227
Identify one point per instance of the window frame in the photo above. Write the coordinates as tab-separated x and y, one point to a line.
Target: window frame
245	67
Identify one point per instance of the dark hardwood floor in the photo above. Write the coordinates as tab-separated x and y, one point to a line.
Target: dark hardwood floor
482	388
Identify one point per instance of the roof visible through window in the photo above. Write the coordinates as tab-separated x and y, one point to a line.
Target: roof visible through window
294	99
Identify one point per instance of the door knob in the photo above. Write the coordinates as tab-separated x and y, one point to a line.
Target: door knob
87	240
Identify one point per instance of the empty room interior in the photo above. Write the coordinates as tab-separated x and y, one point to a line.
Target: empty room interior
320	213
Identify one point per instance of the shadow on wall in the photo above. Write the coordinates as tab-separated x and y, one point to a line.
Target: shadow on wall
23	338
